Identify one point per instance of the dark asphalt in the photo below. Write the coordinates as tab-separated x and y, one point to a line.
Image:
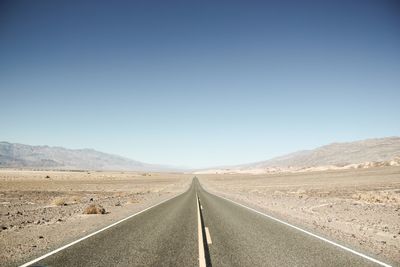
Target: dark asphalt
167	234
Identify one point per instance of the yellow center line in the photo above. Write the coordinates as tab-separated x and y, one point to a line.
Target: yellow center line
202	258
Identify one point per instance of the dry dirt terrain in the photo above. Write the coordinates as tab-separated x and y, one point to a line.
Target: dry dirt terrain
42	210
356	207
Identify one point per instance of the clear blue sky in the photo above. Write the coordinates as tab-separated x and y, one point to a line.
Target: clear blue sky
198	83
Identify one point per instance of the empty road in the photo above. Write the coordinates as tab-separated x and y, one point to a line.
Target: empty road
180	231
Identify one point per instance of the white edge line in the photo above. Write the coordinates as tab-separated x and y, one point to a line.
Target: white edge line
311	234
202	258
94	233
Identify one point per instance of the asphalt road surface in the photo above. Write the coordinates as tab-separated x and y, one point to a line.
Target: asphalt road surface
169	235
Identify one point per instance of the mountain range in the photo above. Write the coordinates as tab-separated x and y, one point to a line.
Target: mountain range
46	157
358	154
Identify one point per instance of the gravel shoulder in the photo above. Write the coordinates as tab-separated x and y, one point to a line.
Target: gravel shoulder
43	210
356	207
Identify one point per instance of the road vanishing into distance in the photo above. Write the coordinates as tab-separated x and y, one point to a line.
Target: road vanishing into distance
197	228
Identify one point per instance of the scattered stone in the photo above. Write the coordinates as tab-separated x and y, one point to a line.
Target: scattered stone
41	237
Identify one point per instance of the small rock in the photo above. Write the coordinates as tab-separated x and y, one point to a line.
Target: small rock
118	204
41	237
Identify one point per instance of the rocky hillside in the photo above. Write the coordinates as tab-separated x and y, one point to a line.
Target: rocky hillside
45	157
339	154
359	154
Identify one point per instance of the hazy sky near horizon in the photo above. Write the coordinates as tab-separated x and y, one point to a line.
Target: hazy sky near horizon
198	83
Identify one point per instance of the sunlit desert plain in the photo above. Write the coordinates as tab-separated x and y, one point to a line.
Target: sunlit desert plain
360	207
42	210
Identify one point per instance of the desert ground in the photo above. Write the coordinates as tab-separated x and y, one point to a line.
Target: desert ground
360	208
43	210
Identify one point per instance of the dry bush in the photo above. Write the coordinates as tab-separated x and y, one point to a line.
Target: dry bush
387	196
94	209
132	200
60	201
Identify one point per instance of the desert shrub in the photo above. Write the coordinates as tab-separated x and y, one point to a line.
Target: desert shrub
59	201
132	200
94	209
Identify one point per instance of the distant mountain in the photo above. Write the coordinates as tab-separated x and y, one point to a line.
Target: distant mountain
359	154
339	154
46	157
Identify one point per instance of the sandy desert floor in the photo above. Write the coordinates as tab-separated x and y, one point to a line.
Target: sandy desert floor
42	210
360	208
